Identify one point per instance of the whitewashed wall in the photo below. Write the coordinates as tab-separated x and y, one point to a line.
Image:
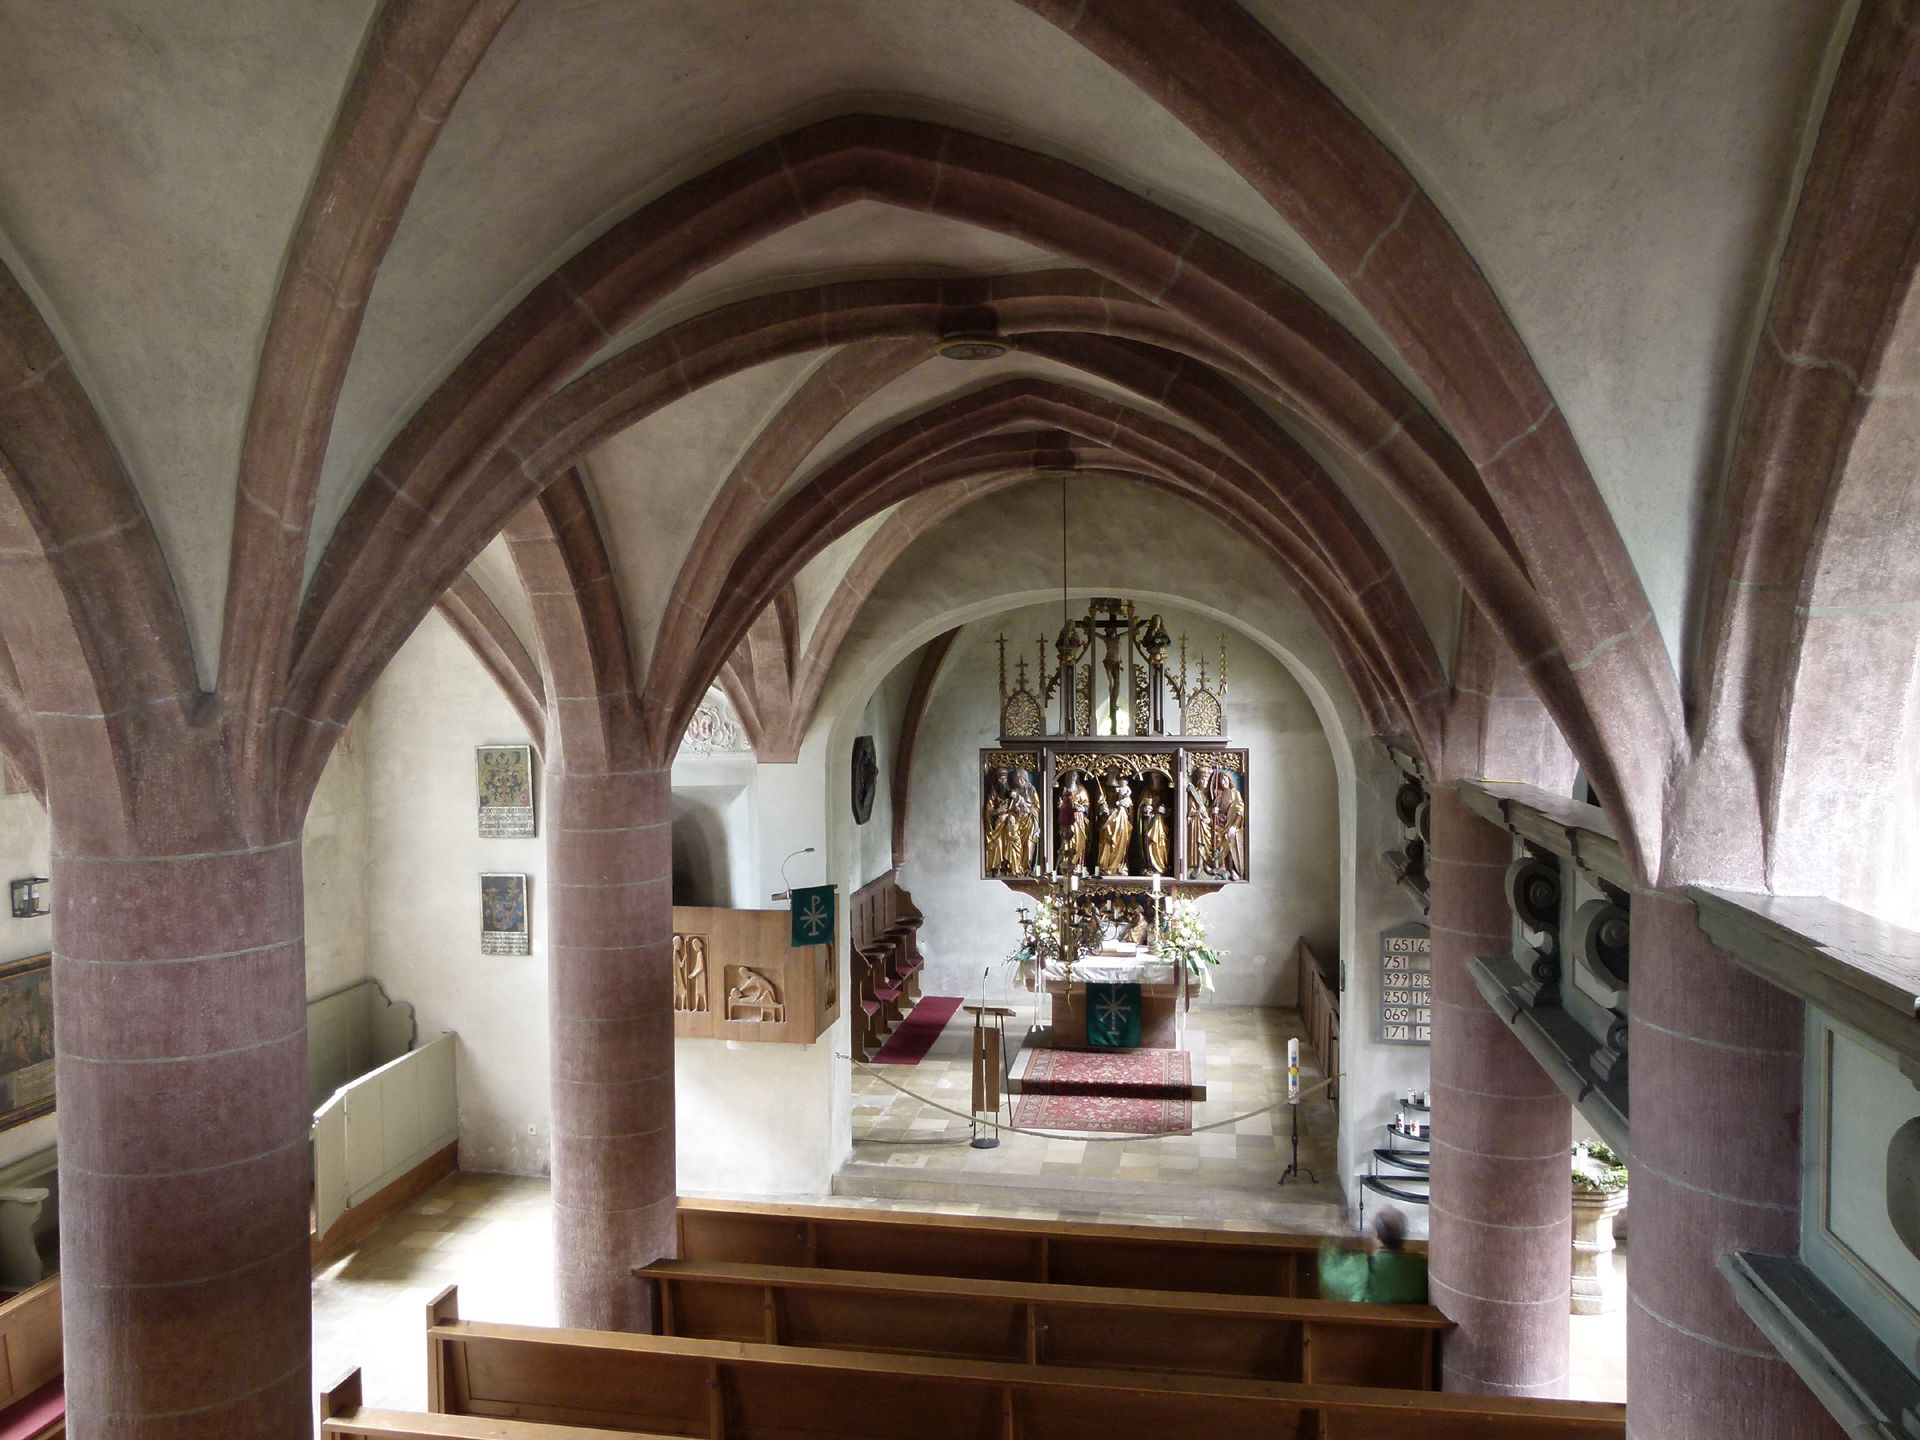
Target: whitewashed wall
755	1119
873	852
1293	817
426	715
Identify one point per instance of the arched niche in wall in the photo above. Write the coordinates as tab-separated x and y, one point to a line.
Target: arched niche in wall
705	821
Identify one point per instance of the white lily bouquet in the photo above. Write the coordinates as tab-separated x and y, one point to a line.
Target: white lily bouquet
1186	941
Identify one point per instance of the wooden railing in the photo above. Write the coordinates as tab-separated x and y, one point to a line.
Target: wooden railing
383	1140
1320	1013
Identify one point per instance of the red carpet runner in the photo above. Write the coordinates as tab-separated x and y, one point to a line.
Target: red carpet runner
909	1044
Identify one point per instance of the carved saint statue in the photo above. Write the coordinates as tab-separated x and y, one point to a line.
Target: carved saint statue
1023	824
1136	926
1116	829
997	819
1153	831
1070	824
1229	827
1199	822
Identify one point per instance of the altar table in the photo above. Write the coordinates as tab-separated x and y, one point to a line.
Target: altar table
1163	998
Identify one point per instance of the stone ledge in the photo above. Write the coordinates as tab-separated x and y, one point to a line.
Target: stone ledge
1559	1042
1860	1382
1862	971
1582	833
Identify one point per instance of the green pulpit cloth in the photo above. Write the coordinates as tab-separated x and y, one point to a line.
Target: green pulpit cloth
812	911
1113	1016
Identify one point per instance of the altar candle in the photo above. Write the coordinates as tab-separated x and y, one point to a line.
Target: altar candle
1156	885
1293	1072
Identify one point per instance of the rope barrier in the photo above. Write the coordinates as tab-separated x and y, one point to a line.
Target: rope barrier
1055	1134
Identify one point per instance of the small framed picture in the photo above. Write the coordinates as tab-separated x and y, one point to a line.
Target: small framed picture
506	923
505	777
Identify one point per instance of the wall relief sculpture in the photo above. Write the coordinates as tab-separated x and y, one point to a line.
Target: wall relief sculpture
751	996
690	973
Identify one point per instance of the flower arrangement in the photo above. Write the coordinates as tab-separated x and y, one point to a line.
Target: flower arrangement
1185	939
1598	1169
1039	942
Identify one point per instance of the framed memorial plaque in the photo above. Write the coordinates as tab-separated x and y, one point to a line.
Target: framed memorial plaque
1406	985
506	924
505	777
26	1040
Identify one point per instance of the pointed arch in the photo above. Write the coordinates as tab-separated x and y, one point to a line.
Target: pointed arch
467	453
91	619
478	621
1810	630
418	58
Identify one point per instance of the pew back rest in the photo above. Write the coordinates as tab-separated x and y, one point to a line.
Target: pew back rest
30	1353
998	1248
732	1391
1255	1337
343	1416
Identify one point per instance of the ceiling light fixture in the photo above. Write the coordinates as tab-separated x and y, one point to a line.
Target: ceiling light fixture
972	345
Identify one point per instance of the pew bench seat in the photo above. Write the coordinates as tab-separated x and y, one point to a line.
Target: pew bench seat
1102	1327
730	1390
342	1415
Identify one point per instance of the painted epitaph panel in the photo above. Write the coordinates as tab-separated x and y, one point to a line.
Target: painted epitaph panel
504	774
26	1040
1406	985
505	922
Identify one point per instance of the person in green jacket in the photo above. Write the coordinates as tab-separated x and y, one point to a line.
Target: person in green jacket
1374	1265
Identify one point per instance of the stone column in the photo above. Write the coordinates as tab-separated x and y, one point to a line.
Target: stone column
180	1005
1501	1231
610	889
1716	1085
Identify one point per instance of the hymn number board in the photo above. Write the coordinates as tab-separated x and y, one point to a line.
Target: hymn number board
1406	985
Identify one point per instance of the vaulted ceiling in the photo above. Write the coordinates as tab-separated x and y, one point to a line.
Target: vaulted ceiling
1410	296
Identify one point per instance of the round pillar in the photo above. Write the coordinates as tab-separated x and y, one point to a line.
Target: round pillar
1500	1229
610	979
180	1013
1716	1083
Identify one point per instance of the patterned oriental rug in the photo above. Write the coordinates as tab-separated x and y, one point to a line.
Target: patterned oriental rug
1127	1092
1123	1074
1106	1114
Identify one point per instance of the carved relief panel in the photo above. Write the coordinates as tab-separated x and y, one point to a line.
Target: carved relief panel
737	976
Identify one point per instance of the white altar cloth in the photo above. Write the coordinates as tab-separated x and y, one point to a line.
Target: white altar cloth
1116	970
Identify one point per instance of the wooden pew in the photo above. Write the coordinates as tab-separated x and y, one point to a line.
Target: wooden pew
981	1247
342	1415
728	1390
1252	1337
31	1361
